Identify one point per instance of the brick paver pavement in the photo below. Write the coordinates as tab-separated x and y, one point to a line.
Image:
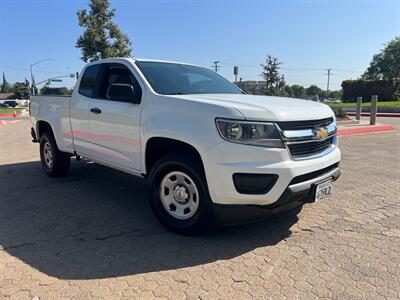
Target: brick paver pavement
92	235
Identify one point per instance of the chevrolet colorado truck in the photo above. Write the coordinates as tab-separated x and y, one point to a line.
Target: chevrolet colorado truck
211	153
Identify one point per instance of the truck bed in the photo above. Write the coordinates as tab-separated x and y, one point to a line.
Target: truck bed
54	110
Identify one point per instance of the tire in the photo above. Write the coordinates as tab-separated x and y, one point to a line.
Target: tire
174	180
54	162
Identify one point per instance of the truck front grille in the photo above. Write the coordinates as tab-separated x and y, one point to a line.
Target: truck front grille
303	139
298	125
309	148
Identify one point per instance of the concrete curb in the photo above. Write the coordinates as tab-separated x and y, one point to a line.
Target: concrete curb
391	115
8	115
364	130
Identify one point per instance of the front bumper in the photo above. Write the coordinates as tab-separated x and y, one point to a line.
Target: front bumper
296	194
227	159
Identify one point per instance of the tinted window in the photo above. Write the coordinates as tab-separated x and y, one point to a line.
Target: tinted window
118	73
88	81
172	79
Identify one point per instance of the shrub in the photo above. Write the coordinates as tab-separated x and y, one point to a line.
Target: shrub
340	113
387	90
55	91
396	94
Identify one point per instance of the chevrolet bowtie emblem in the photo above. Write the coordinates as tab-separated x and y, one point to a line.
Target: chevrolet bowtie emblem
321	133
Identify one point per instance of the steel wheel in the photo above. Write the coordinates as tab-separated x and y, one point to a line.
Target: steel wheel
48	155
179	195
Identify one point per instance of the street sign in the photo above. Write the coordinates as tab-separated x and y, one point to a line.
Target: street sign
56	80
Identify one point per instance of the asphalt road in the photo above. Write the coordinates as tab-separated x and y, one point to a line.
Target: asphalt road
93	235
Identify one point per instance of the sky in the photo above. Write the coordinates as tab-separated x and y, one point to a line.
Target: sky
307	36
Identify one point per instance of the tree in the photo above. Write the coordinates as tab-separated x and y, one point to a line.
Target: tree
46	90
102	38
5	87
288	91
21	90
335	94
386	64
274	82
313	90
298	91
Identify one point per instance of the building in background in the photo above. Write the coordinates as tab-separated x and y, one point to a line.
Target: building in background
251	87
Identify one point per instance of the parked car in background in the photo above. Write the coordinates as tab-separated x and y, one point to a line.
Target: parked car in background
4	105
11	103
210	152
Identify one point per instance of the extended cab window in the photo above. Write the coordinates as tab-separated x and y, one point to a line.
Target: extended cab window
87	86
118	73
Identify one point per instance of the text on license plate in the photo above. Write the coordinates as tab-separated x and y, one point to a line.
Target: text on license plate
323	189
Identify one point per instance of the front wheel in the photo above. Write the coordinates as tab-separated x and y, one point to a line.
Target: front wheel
54	162
179	195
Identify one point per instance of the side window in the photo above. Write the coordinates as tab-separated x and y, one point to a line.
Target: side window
118	73
88	82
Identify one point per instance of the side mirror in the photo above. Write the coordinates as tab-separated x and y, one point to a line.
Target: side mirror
121	92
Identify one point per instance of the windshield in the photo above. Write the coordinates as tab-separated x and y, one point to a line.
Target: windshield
179	79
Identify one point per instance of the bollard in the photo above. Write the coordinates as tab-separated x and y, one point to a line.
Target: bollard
374	109
359	108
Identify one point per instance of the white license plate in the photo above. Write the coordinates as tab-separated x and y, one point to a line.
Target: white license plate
323	190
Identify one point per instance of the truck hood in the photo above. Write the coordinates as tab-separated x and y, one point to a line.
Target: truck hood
266	108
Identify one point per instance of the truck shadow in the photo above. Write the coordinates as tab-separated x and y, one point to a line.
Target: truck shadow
97	223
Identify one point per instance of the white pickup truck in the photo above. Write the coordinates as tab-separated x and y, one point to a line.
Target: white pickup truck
211	153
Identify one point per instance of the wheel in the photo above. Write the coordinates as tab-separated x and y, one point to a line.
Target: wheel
179	195
54	162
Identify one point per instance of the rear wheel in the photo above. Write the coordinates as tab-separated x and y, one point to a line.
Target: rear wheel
179	195
54	162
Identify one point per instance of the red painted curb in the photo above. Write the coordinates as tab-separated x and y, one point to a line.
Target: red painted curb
363	130
8	115
390	115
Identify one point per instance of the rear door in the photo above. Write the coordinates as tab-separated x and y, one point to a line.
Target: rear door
115	125
79	109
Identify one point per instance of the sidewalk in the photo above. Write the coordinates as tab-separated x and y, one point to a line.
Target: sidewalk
353	127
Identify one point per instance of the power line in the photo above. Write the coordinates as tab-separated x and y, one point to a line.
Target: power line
347	71
290	68
28	70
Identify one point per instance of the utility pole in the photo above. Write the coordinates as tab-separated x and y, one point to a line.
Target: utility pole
31	69
216	66
329	76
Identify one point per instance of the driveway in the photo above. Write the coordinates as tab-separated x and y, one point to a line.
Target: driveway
93	235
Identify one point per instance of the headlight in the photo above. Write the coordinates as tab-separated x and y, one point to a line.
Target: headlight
251	133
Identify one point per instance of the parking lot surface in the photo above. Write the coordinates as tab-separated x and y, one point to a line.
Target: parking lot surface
93	235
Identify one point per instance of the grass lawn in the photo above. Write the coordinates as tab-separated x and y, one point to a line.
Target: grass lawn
10	110
365	104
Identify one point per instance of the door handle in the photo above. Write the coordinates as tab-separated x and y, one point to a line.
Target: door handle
95	110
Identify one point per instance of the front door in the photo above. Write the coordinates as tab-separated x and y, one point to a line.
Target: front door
79	110
115	125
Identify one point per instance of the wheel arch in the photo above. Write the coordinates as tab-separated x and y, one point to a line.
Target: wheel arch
42	127
158	147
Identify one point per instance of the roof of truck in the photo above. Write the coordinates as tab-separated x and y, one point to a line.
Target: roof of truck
140	60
